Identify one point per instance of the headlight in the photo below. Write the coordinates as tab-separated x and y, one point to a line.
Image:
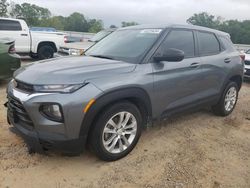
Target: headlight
61	88
52	112
77	52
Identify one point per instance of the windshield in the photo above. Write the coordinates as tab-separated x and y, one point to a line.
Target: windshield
248	52
99	36
126	45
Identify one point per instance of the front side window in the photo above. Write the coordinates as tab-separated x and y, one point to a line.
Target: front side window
208	43
10	25
181	40
128	45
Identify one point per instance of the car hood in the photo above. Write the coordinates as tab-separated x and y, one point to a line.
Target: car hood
71	70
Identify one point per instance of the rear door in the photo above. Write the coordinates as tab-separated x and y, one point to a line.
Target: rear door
14	30
177	84
214	61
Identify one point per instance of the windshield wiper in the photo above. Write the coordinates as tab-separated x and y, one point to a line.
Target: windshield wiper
101	56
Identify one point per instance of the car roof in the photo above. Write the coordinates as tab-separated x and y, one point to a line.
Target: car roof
12	19
179	26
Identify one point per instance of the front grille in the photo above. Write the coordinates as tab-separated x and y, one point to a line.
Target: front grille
247	62
17	112
24	87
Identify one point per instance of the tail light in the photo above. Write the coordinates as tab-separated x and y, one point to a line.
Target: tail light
65	39
12	49
242	56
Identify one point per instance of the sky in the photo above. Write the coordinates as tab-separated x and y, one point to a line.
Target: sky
146	11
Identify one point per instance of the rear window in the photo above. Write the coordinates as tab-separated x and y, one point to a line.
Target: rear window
227	43
10	25
208	44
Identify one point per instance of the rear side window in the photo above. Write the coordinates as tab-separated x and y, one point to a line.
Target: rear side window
181	40
208	43
10	25
227	43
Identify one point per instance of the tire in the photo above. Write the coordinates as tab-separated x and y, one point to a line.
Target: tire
98	136
221	109
45	52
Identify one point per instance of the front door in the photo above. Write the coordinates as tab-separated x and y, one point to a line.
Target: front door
177	84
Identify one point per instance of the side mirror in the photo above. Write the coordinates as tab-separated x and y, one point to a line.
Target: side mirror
170	54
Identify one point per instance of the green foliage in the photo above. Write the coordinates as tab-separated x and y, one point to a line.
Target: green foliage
204	19
31	13
239	30
76	22
41	17
57	22
95	26
126	24
3	7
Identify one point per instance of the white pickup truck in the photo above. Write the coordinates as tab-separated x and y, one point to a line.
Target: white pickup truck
36	44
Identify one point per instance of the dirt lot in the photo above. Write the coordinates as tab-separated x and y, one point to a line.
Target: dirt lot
194	150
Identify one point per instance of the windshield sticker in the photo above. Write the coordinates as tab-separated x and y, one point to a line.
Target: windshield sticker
151	31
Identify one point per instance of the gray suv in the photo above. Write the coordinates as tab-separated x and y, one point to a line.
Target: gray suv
131	78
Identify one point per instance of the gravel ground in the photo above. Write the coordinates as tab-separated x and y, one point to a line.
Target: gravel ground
192	150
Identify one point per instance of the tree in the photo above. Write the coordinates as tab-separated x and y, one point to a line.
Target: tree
205	19
3	7
95	26
238	30
57	22
126	24
31	13
76	22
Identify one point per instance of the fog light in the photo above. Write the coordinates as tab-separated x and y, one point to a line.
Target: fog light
52	112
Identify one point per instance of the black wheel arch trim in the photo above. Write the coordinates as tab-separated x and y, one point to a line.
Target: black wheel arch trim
109	98
235	78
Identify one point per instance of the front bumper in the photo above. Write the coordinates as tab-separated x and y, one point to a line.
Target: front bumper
37	143
40	133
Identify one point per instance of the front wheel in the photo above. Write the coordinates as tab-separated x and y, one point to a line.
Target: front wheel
117	131
228	100
45	52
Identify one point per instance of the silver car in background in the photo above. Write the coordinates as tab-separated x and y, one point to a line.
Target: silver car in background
77	46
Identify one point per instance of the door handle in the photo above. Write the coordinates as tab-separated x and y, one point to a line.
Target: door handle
227	60
24	35
195	65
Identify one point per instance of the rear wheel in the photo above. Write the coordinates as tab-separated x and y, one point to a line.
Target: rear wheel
116	131
228	100
45	52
